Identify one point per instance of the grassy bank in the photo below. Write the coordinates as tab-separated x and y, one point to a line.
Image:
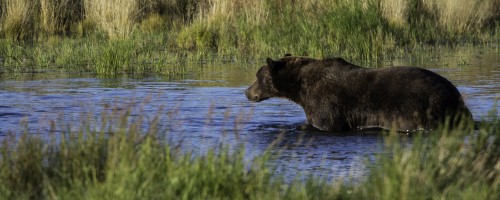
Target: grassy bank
124	56
118	36
114	158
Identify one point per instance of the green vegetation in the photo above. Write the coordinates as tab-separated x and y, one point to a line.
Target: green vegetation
85	55
115	158
456	164
132	36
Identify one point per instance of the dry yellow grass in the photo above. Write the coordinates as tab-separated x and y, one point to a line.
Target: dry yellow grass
254	12
461	15
457	16
17	19
395	11
116	17
57	16
49	14
119	18
225	10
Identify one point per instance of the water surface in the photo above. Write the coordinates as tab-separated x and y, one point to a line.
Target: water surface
207	107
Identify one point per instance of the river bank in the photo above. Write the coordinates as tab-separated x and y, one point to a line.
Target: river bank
154	36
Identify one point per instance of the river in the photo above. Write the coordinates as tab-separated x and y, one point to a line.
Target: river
207	107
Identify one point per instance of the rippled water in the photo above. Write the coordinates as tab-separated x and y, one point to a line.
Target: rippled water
207	107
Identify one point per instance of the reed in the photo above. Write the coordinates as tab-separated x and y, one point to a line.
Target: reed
59	16
92	55
116	17
449	164
118	155
274	28
222	30
18	19
459	16
395	11
453	18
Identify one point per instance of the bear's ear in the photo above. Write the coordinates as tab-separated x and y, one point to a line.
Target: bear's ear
274	65
271	63
287	55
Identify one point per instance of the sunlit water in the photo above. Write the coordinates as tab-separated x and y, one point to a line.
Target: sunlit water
208	107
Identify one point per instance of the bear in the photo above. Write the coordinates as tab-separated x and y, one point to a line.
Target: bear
338	96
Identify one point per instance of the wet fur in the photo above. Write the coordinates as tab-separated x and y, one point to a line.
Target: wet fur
339	96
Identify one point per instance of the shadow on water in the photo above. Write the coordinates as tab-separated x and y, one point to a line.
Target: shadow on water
207	107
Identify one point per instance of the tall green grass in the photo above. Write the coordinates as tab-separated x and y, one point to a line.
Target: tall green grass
318	28
222	30
116	158
449	164
92	55
118	18
367	30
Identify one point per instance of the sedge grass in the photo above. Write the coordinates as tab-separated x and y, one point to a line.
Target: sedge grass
18	20
91	55
365	30
116	17
57	16
221	30
116	158
450	164
459	16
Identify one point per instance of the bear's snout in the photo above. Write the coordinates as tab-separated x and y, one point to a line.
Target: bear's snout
253	93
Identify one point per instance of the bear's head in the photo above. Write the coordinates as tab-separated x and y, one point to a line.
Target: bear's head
280	78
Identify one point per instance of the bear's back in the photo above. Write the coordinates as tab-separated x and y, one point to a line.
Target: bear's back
411	97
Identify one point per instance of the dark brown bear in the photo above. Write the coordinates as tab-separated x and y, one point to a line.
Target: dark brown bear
339	96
